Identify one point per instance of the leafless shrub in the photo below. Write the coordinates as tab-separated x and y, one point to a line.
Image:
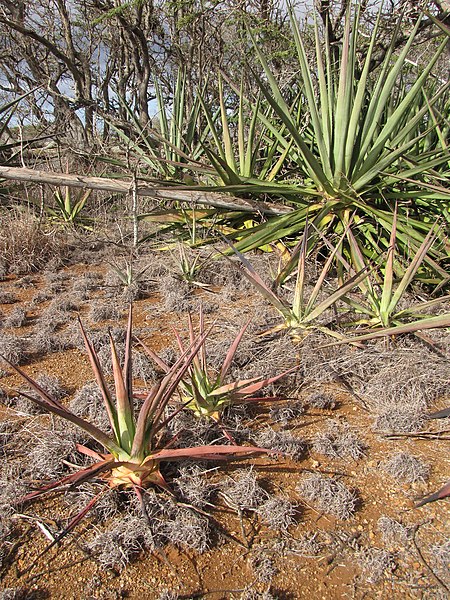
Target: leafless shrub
376	563
285	414
442	554
339	441
16	318
280	441
13	348
262	565
46	456
104	311
188	529
321	400
251	594
7	297
405	467
277	512
393	533
24	244
124	539
328	495
193	487
244	492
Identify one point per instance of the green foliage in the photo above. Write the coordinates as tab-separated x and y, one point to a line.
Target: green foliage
208	395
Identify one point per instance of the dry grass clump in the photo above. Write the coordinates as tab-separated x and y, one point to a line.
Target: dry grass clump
13	348
339	441
45	458
188	529
192	486
88	404
244	492
16	594
328	495
393	533
124	539
7	297
285	413
262	565
442	554
25	246
16	318
104	311
280	441
176	294
251	594
376	563
321	400
278	512
405	467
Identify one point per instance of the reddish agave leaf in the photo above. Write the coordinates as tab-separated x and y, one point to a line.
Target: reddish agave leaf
90	452
207	452
440	414
33	384
231	352
72	479
153	407
161	364
61	411
444	492
233	386
251	389
98	373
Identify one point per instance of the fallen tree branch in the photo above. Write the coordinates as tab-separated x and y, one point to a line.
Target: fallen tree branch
120	186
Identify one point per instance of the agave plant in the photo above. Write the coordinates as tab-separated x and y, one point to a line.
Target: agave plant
135	450
361	149
382	293
304	314
208	395
68	209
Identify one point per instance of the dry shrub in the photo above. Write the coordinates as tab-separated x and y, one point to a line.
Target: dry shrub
328	495
406	467
24	244
339	441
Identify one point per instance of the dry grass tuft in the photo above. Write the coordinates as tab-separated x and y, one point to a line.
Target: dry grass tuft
25	246
407	468
376	563
339	441
328	495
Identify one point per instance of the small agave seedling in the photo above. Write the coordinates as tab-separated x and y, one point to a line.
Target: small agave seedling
208	395
382	294
135	451
189	268
304	314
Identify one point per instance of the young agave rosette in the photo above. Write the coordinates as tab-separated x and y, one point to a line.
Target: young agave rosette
207	395
133	451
